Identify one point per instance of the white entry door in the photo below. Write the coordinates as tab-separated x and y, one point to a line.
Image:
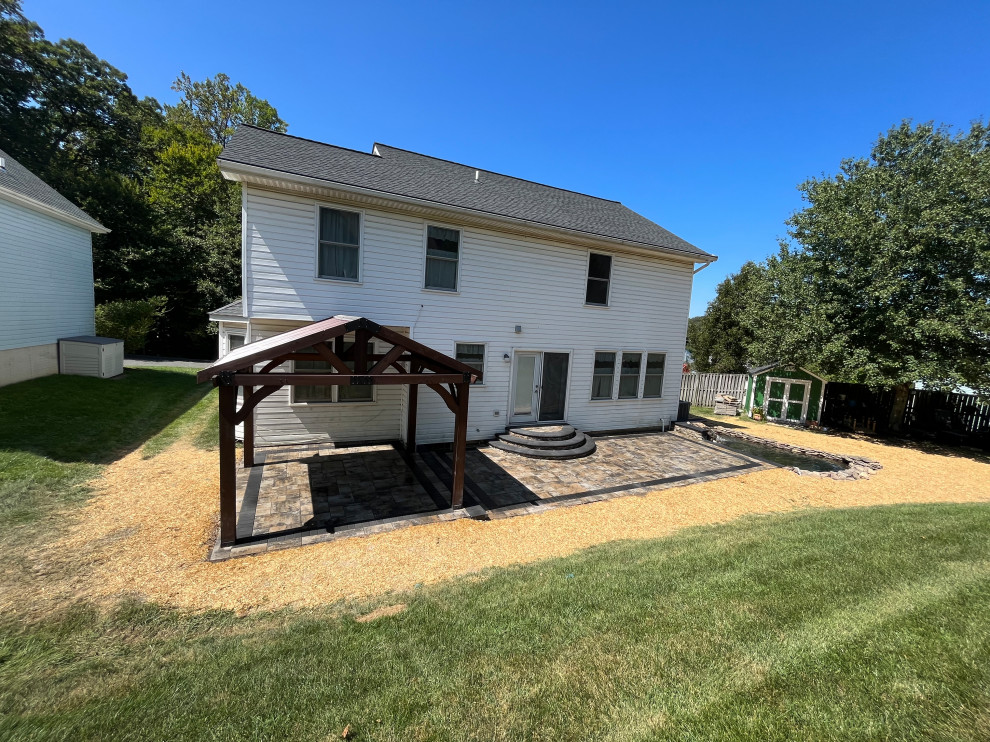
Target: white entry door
526	388
539	386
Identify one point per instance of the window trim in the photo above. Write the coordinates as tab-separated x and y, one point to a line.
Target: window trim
484	360
361	242
615	364
588	277
663	376
617	373
460	258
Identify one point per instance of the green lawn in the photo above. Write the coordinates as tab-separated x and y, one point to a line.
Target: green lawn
849	624
56	433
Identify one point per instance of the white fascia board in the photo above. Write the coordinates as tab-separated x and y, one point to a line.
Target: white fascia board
47	210
234	170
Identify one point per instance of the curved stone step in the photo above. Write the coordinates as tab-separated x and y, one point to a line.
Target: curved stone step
577	439
558	454
545	434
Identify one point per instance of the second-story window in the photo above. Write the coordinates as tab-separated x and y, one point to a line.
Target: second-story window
340	244
599	277
442	256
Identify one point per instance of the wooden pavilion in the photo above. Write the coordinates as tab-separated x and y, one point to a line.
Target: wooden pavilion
407	362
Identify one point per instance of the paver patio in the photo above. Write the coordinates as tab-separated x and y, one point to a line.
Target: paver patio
304	494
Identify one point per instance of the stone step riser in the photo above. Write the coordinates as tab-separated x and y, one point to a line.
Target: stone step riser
574	441
586	449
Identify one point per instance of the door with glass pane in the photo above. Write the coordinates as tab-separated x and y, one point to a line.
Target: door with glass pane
553	386
525	387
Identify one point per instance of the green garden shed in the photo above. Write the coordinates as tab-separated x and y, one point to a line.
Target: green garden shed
785	393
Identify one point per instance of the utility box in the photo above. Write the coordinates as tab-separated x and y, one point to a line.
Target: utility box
89	355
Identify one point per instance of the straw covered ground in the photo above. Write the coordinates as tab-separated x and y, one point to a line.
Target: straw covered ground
146	532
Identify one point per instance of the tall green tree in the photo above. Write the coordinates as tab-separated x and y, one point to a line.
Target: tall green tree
216	107
719	341
886	277
198	211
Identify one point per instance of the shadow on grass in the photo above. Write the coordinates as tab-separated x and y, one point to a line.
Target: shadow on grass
76	419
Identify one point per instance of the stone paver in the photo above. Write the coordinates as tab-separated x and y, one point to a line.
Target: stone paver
306	494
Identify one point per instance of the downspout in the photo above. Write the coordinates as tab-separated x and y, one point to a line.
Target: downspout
703	266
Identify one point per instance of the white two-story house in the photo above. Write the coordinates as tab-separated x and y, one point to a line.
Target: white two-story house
573	307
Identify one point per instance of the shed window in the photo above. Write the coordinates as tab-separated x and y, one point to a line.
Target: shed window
599	276
442	256
653	378
604	375
340	244
473	354
629	375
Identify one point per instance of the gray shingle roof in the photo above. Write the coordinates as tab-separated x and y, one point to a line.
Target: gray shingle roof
402	173
18	179
234	309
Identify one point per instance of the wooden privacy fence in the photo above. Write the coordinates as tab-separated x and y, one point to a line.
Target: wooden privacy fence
941	416
701	389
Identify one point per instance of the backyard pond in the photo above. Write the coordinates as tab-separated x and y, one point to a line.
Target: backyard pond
778	456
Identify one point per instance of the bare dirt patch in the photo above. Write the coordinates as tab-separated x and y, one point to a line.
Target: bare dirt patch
146	533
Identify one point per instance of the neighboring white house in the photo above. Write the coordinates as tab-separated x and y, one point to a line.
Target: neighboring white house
46	282
574	307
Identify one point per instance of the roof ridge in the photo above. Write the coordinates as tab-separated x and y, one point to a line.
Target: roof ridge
306	139
501	175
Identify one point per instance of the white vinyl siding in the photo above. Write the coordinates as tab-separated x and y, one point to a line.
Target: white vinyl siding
46	281
504	280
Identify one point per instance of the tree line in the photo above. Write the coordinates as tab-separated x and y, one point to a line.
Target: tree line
883	278
145	170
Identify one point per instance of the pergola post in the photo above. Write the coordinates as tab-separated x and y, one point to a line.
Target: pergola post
460	445
248	431
228	466
411	418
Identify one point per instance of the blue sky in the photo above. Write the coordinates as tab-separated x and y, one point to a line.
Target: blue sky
704	117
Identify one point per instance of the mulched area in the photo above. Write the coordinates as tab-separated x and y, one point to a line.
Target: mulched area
146	533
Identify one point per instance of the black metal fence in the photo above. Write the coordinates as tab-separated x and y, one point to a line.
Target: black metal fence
961	419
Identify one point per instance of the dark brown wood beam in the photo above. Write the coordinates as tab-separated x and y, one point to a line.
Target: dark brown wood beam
251	400
344	379
387	360
248	417
325	354
361	339
228	467
460	446
411	405
447	397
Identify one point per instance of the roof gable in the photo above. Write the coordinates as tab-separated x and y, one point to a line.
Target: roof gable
21	183
399	172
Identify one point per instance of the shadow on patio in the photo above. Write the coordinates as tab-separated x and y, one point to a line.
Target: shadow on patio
309	493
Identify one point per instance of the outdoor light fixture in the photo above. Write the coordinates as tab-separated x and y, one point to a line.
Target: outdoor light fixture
518	329
505	357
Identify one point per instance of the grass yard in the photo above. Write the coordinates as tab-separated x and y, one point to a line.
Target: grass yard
57	433
849	624
805	609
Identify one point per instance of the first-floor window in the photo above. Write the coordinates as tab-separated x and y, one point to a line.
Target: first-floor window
363	393
472	354
629	375
234	341
601	382
653	376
